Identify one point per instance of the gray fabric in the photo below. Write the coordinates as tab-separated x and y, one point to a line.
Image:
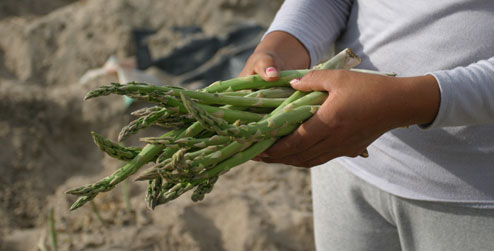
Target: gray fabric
350	214
453	159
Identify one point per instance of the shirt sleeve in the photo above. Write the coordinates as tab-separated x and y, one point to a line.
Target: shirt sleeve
315	23
467	95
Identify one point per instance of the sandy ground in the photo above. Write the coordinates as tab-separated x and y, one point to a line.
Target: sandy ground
46	148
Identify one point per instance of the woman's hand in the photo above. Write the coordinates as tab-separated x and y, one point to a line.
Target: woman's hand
277	51
360	108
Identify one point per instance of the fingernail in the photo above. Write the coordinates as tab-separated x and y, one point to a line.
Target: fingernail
271	72
295	80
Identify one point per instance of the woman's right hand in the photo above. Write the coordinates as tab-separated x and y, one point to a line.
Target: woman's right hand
277	51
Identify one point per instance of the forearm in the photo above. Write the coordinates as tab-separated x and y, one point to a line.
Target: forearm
292	53
461	96
417	99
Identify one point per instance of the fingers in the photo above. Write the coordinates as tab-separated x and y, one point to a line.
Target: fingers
318	160
266	67
315	155
318	80
303	159
306	135
263	64
247	70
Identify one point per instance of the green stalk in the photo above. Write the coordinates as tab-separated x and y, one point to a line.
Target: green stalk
390	74
220	99
312	98
346	59
276	92
143	122
147	110
237	159
141	89
241	93
52	230
126	196
254	82
229	115
188	142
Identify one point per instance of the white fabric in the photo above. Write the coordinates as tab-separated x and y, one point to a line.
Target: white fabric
453	158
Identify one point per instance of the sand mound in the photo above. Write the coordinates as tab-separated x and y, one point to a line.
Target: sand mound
46	146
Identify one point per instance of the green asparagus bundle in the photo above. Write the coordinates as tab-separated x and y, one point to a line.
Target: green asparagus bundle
212	130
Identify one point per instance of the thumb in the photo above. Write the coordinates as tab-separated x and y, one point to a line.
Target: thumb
267	68
313	81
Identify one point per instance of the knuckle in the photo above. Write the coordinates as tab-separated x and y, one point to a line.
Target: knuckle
339	74
267	59
339	77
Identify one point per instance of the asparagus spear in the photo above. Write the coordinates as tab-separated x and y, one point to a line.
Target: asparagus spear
229	115
254	82
115	150
142	89
143	122
188	142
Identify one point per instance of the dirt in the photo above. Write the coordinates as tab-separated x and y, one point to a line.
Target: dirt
46	146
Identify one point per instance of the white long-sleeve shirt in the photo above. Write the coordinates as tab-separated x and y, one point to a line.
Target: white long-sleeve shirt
453	158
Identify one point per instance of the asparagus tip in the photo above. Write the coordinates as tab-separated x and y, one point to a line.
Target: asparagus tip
95	135
352	54
72	191
79	203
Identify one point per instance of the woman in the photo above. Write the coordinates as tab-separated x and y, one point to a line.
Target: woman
429	186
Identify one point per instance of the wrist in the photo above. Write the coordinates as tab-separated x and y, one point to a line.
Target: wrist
421	100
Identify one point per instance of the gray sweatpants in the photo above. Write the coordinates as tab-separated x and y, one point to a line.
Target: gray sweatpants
350	214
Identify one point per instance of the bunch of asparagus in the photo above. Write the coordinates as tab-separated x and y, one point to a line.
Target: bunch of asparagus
212	130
